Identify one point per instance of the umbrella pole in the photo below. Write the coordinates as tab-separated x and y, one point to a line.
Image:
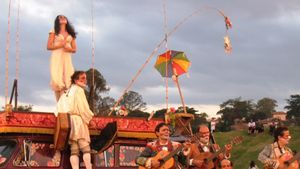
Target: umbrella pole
182	101
180	93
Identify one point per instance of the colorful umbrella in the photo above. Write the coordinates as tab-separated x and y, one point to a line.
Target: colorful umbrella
172	63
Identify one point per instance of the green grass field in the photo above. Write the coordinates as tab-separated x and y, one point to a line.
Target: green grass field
249	149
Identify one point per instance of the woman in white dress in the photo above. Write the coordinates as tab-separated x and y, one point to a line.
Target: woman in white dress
62	43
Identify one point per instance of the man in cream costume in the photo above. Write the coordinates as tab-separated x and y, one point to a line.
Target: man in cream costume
74	102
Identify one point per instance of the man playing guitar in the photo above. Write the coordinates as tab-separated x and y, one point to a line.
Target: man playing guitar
147	158
202	146
277	154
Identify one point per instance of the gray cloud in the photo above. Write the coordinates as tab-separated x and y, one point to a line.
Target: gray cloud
264	62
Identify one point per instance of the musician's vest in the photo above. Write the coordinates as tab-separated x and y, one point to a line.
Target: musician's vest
279	151
156	147
211	149
201	148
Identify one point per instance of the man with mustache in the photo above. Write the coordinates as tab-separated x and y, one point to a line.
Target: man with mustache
203	145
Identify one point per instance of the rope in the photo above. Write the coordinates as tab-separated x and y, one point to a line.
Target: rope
166	46
191	15
222	14
136	75
6	53
93	55
155	50
17	42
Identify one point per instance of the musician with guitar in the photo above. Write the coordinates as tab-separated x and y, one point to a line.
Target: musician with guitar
202	150
162	153
278	155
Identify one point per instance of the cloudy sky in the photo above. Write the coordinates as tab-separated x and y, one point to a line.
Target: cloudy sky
264	61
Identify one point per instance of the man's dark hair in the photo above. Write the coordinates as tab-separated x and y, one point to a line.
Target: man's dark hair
76	75
279	132
160	125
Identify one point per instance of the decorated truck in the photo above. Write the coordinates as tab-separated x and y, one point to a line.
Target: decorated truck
38	140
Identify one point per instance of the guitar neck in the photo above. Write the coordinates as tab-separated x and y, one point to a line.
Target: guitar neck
222	149
216	154
171	154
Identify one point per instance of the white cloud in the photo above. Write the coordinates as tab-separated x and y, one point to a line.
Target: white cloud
289	19
83	28
264	36
43	108
37	10
115	91
154	90
36	108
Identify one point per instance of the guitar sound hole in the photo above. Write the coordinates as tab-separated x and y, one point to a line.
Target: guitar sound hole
161	161
286	163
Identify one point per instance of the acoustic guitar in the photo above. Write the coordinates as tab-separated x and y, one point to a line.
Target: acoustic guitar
208	157
287	161
165	158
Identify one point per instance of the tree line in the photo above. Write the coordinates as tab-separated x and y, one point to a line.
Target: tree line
231	109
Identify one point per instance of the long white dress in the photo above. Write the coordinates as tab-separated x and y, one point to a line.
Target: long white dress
61	67
75	103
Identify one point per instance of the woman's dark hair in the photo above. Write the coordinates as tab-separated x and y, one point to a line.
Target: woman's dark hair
160	125
279	132
69	27
76	75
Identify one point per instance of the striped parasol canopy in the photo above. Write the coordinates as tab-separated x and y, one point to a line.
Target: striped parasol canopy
172	63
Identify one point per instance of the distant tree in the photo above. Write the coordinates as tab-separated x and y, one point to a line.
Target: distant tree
101	104
25	108
138	113
104	105
133	101
160	113
223	125
190	110
235	109
203	115
293	106
199	118
263	109
257	115
99	85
